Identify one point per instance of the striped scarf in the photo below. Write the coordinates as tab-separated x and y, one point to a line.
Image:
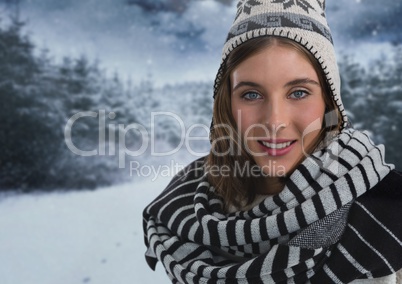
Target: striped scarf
316	230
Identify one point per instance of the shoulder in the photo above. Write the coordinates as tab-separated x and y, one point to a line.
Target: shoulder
193	171
180	191
383	201
372	239
375	222
390	187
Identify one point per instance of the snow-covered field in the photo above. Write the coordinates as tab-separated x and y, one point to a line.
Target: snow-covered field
77	237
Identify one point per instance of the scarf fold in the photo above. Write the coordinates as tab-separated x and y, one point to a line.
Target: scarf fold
291	237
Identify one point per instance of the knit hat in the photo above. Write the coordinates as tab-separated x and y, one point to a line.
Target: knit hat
302	21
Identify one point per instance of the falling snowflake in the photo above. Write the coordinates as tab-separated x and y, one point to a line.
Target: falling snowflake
289	3
244	6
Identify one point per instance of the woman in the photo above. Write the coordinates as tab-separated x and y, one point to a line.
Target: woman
289	192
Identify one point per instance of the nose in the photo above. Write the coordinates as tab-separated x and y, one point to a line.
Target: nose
276	116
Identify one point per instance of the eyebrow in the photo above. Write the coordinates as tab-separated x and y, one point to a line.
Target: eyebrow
301	81
288	84
248	84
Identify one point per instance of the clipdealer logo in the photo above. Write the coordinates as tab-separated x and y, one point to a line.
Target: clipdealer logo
147	138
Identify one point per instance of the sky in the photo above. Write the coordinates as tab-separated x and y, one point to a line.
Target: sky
181	40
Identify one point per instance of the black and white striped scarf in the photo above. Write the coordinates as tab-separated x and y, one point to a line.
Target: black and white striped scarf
318	229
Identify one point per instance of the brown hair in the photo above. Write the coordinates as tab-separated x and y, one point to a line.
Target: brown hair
227	146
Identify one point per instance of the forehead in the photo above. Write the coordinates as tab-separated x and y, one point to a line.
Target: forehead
275	61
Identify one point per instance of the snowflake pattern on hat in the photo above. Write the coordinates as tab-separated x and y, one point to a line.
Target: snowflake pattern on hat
244	6
300	3
322	5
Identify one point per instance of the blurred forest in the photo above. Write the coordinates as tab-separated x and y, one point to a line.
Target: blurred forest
38	96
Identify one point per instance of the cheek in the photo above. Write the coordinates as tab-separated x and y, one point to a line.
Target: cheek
309	123
245	120
239	117
235	110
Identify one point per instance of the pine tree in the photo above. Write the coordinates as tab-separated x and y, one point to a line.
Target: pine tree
28	134
373	99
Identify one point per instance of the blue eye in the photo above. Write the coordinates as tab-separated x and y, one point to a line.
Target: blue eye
298	95
251	96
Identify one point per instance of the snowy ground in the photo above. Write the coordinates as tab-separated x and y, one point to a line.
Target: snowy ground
79	237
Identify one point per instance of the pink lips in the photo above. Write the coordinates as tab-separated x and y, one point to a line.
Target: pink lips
277	147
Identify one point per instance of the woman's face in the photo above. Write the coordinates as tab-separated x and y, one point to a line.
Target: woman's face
278	105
